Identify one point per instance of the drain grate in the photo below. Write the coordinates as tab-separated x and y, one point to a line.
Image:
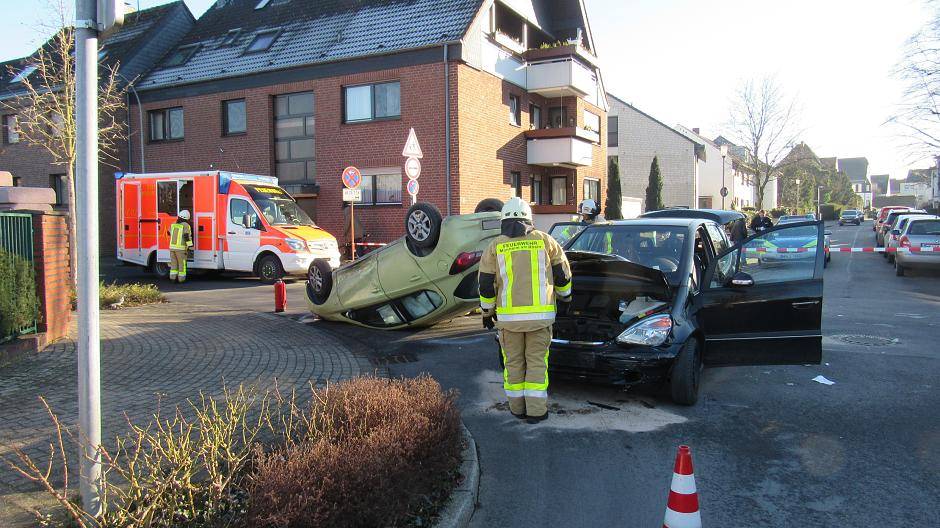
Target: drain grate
865	340
393	359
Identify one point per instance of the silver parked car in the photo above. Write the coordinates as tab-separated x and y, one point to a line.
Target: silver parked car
894	232
920	233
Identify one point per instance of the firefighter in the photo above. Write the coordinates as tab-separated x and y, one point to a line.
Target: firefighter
588	211
521	274
181	239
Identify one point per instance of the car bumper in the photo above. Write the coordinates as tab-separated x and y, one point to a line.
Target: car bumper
611	364
918	260
299	263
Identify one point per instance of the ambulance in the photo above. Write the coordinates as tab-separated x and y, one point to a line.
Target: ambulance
240	222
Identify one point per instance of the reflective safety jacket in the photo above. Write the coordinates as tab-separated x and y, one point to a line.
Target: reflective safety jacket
520	277
181	236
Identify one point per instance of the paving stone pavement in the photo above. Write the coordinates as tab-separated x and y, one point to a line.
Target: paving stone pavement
168	351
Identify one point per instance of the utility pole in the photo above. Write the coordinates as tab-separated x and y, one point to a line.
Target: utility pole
90	17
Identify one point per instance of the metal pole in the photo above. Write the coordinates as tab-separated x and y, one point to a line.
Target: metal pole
446	131
722	181
86	190
352	229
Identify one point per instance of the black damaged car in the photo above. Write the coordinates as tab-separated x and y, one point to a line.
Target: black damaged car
655	300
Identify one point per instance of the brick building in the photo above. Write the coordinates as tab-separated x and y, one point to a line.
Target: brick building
146	36
505	98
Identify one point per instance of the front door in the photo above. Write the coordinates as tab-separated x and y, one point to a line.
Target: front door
761	301
242	236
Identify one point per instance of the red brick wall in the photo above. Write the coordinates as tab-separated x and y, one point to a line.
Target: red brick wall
51	250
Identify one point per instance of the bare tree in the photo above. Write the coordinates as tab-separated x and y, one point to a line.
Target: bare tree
918	114
46	109
764	120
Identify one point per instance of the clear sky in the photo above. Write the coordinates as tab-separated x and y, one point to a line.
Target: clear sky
682	60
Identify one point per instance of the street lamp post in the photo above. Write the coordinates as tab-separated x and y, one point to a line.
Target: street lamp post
724	189
797	204
819	190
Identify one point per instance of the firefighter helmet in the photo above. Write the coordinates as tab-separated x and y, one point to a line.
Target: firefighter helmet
517	208
588	208
184	214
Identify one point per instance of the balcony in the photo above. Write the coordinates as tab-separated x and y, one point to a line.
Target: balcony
557	73
569	147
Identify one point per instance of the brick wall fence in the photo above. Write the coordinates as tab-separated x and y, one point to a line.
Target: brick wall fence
51	259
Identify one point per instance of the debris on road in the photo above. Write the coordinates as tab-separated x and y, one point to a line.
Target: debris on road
822	379
603	406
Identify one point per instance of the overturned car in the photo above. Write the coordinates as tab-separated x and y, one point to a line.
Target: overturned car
658	299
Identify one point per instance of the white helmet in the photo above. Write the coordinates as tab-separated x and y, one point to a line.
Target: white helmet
517	208
588	207
184	214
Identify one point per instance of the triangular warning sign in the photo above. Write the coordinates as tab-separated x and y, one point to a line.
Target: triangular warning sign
412	148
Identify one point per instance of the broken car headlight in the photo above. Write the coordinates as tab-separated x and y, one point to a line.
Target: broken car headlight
651	332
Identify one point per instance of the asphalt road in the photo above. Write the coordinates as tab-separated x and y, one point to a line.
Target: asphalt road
770	446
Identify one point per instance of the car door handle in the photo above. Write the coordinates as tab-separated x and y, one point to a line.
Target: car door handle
231	232
804	305
415	278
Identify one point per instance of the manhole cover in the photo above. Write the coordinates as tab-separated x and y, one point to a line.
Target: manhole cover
865	340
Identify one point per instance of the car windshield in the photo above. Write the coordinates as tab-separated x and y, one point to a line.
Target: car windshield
924	227
278	208
564	231
850	212
792	232
657	247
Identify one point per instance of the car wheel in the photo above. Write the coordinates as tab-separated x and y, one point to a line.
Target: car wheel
489	205
686	374
160	269
423	225
320	281
270	269
890	258
898	269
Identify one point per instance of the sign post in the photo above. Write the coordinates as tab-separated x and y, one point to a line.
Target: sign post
412	151
352	178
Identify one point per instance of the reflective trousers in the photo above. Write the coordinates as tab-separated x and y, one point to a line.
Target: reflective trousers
525	375
178	264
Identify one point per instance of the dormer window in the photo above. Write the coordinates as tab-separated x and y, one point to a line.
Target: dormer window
181	56
262	41
24	73
231	37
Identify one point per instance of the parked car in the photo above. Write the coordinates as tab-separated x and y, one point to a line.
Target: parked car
789	219
923	233
674	297
780	247
425	277
850	216
889	221
883	213
894	232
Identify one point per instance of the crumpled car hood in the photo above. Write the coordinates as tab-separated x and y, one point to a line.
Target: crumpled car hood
589	264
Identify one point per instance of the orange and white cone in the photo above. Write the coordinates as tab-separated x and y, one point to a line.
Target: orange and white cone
682	507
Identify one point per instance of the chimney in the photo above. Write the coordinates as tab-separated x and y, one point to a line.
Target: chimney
696	131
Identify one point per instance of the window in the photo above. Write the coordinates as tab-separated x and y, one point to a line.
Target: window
372	102
11	130
657	247
765	265
515	118
705	202
241	213
180	56
381	188
23	74
719	238
262	41
58	183
16	181
559	190
535	116
295	146
612	131
557	117
516	178
166	124
592	122
58	125
234	117
536	190
167	198
592	190
231	37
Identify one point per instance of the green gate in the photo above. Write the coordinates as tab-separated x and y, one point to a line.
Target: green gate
16	246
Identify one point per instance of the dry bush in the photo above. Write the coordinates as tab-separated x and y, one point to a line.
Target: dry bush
372	452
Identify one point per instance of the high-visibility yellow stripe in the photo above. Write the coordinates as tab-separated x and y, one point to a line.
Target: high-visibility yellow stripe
536	286
564	291
531	386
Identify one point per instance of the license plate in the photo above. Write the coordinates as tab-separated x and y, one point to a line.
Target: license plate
929	245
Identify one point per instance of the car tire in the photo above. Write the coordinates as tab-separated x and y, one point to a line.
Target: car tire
320	281
270	269
898	269
686	374
160	269
423	225
489	205
890	258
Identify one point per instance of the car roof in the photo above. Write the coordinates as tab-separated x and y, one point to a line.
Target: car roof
665	221
720	216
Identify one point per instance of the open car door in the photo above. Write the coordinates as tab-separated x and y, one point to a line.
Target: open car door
761	300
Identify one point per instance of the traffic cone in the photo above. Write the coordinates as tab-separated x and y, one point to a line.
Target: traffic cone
682	507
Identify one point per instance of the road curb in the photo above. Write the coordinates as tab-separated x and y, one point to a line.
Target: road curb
463	500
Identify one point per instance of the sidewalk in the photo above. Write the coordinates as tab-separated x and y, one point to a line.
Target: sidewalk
171	351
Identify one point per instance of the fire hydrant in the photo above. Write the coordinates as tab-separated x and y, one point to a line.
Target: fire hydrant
280	296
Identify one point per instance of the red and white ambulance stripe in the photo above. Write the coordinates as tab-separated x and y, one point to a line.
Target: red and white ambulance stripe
847	250
682	506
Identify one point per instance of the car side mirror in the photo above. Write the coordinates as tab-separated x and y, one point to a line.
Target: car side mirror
245	221
895	232
742	280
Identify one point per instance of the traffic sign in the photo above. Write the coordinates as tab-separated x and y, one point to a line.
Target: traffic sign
413	168
352	195
724	192
413	188
352	177
412	148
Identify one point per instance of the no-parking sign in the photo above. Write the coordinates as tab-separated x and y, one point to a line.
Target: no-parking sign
352	178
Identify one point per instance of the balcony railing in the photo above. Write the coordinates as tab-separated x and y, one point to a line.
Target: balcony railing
559	72
570	147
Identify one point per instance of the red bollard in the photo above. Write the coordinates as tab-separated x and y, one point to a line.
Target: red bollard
280	296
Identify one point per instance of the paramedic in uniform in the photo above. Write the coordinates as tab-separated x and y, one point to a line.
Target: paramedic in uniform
181	239
521	273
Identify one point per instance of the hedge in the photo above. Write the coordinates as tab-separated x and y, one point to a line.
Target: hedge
19	305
